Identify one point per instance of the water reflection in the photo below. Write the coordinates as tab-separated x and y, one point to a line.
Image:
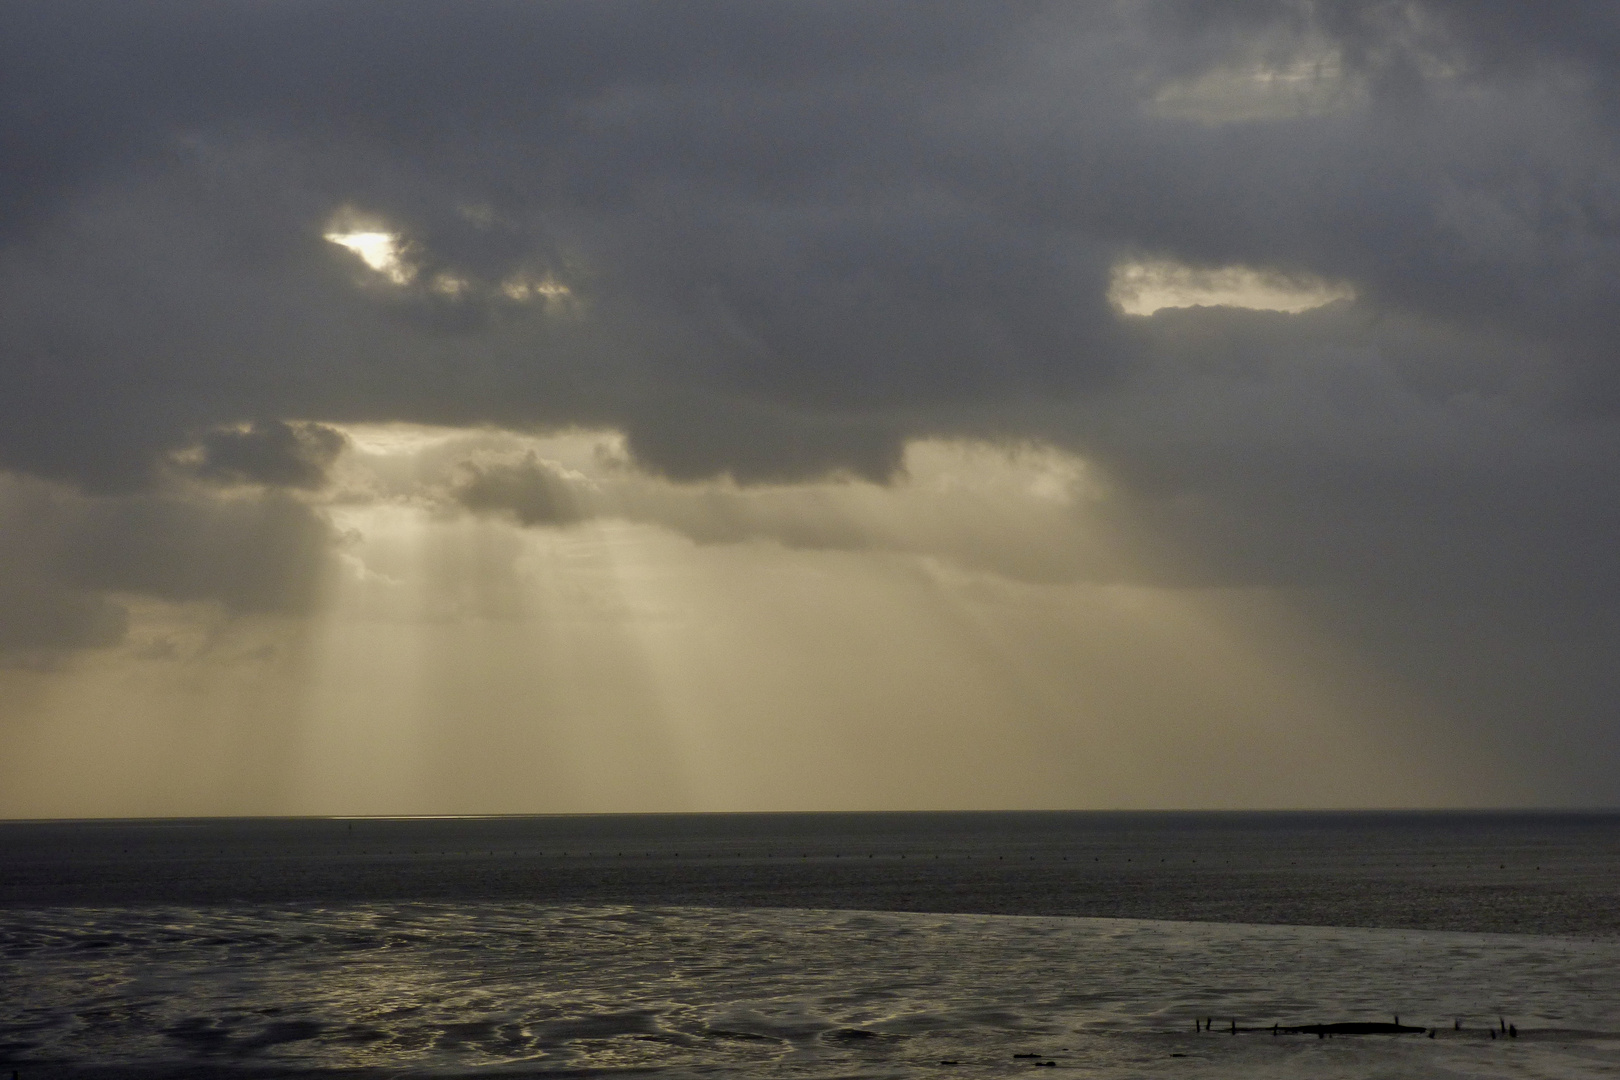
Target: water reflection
450	988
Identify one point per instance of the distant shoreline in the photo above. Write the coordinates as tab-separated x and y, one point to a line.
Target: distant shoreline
1121	815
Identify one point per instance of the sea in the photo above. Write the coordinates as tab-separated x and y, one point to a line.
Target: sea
948	945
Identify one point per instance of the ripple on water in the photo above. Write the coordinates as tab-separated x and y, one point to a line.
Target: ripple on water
448	988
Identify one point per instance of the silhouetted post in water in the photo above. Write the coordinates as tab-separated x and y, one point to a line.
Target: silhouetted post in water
1513	1031
1234	1025
1397	1019
1503	1022
1273	1031
1457	1024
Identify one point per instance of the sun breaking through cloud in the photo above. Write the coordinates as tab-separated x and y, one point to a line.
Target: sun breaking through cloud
378	250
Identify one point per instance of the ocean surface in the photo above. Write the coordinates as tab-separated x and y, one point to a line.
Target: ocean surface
860	945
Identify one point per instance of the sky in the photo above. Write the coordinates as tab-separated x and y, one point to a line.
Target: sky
521	407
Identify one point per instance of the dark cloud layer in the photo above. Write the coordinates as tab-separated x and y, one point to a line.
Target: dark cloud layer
850	214
793	235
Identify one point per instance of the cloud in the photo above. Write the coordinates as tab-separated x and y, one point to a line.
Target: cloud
255	554
68	562
1026	512
532	491
40	621
778	266
44	611
777	244
269	452
778	248
1143	288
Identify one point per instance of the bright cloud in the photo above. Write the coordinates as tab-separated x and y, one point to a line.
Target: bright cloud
1143	287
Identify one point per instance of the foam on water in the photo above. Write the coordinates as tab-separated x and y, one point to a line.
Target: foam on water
454	989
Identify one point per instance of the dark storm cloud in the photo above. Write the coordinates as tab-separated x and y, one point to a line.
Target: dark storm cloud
746	189
845	216
794	235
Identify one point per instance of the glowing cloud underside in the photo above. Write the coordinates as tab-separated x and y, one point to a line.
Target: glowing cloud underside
1141	288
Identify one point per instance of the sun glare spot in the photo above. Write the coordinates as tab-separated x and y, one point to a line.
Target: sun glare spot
1142	288
378	250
